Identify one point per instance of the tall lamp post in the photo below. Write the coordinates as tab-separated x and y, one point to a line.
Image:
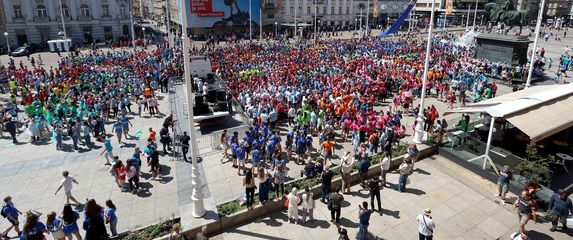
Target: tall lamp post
533	53
318	28
7	42
475	15
276	28
143	29
418	134
196	195
63	22
355	24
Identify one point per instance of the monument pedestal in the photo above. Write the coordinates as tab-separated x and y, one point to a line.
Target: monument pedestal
508	49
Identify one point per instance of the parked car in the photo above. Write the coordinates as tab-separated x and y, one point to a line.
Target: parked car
22	51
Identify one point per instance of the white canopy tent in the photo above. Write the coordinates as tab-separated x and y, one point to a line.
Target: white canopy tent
539	112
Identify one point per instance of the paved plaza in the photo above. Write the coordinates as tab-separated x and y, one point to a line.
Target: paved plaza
31	174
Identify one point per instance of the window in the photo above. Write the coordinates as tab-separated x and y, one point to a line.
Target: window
108	32
300	9
42	11
307	10
18	12
85	11
122	10
66	11
347	10
105	10
291	10
340	10
332	10
271	15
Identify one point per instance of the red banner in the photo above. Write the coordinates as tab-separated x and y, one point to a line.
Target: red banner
204	8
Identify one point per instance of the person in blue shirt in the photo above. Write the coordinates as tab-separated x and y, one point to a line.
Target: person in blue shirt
256	157
11	213
234	147
118	130
270	150
241	153
107	150
111	217
33	229
55	226
364	220
125	123
70	226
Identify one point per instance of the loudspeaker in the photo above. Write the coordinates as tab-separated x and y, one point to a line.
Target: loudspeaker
200	110
212	96
222	107
199	100
221	96
210	78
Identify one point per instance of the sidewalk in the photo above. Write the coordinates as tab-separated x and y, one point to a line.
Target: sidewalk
459	212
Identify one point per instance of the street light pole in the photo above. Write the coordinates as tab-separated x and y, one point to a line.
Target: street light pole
276	28
63	23
315	21
361	21
534	51
295	19
7	42
143	29
260	22
196	195
468	18
475	15
319	26
418	134
168	23
250	23
367	16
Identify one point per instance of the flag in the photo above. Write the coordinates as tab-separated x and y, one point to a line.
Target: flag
375	11
449	6
394	28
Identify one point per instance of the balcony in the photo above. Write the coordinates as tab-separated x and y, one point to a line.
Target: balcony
85	18
41	19
106	17
66	18
124	16
269	5
19	20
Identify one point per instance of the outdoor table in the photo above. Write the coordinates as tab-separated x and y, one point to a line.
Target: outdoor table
564	157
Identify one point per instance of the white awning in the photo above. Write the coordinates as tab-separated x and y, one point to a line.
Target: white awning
538	111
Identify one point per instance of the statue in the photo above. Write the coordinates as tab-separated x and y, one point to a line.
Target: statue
506	14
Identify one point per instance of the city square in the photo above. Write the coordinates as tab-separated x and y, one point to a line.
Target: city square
110	122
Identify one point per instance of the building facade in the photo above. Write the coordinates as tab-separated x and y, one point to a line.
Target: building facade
37	21
341	13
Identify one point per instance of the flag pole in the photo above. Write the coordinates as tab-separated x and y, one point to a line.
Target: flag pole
196	195
534	51
315	17
420	121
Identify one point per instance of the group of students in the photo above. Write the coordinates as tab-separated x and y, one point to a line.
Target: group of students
64	225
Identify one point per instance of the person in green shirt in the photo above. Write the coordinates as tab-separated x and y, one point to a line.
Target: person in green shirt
463	125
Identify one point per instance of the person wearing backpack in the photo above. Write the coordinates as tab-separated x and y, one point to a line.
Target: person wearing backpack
33	229
10	212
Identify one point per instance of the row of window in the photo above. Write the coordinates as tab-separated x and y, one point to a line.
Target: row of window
84	11
310	10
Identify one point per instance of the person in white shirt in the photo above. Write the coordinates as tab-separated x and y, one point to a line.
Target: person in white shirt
346	166
264	117
66	183
518	236
205	89
426	225
385	166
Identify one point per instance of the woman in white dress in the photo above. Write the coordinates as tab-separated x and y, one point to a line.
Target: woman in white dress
293	201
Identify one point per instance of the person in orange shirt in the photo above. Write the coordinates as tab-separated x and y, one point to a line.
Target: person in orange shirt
152	134
328	147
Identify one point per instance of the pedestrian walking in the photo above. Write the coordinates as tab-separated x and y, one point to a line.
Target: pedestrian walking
66	183
154	165
279	179
11	128
343	234
111	217
560	206
132	176
404	170
346	170
413	155
165	140
374	186
108	150
426	225
264	184
505	175
293	201
307	205
335	205
11	213
526	209
184	140
55	226
250	186
326	180
364	220
70	225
